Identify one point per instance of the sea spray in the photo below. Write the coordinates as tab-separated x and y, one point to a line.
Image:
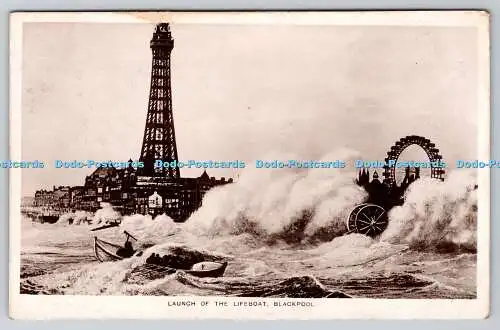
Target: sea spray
437	216
66	218
81	217
75	218
288	204
148	230
106	214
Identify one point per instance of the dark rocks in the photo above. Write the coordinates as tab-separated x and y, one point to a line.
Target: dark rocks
146	273
29	287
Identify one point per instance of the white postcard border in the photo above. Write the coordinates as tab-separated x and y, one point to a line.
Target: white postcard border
145	307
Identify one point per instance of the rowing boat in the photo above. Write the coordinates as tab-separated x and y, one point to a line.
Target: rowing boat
105	251
207	269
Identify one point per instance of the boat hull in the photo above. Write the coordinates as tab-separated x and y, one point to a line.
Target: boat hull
217	272
105	251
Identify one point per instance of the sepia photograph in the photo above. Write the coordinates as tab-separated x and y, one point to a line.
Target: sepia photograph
250	165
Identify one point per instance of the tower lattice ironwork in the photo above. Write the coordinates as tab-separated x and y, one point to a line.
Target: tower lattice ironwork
159	134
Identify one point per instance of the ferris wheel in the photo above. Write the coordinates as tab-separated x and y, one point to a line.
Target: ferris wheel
371	219
430	149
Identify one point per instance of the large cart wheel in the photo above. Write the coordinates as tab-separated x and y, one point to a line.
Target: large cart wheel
367	219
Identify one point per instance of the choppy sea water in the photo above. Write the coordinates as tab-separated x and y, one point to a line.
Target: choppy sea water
282	234
59	259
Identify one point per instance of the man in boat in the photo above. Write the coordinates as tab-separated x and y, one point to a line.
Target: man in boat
126	251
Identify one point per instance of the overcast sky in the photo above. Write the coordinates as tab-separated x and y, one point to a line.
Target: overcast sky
244	92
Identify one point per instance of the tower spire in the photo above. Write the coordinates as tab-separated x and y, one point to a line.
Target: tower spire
159	134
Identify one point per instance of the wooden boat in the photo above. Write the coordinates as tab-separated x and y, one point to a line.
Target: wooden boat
207	269
105	251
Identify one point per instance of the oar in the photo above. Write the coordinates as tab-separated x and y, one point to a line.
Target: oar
128	234
105	226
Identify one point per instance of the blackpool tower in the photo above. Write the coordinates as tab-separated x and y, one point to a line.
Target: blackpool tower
159	134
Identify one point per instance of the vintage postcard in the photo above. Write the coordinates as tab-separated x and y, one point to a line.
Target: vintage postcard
306	165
